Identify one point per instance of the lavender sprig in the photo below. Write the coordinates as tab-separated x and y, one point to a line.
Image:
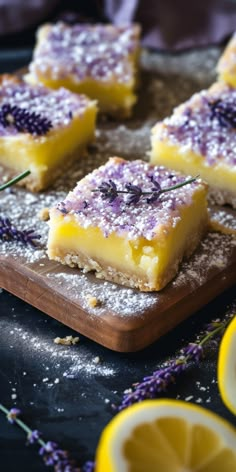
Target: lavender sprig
49	451
14	180
9	232
23	120
110	192
162	378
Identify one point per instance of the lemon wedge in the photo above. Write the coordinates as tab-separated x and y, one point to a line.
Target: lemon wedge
227	367
167	436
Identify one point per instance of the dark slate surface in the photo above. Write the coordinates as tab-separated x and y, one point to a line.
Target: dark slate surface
74	410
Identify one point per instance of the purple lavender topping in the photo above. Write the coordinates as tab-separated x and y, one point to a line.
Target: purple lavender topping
197	129
57	106
135	220
86	51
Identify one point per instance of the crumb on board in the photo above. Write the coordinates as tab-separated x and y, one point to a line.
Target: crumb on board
92	301
44	214
67	341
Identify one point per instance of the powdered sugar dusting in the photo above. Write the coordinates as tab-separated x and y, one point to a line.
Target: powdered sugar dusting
223	219
72	361
100	52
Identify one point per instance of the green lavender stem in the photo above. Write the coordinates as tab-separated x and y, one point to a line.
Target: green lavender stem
14	180
168	189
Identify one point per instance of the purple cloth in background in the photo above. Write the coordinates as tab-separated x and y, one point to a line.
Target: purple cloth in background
176	24
17	15
166	24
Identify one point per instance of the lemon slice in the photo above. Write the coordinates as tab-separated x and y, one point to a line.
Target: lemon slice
167	436
227	367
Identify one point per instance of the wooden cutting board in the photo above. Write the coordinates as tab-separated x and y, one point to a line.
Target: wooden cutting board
123	319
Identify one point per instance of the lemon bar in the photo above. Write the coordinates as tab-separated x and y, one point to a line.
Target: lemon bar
121	222
98	60
200	138
226	66
42	130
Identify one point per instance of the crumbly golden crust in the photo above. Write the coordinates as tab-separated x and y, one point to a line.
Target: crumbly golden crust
6	78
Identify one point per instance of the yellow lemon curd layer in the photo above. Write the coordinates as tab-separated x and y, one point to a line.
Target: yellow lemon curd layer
44	155
148	264
112	97
163	152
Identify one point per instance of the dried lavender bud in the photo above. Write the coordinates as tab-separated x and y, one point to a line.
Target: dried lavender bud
33	436
51	454
23	120
108	190
13	414
89	466
193	351
8	232
135	193
225	113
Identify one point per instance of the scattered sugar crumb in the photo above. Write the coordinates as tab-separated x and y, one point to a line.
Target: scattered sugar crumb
199	400
127	391
67	341
190	397
96	360
46	379
44	214
13	396
56	381
92	301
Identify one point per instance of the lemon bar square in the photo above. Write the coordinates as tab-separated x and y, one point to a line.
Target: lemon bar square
100	61
131	239
42	130
226	66
200	138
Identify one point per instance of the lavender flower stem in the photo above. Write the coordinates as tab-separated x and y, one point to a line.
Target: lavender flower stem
14	180
168	189
214	332
21	424
159	380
